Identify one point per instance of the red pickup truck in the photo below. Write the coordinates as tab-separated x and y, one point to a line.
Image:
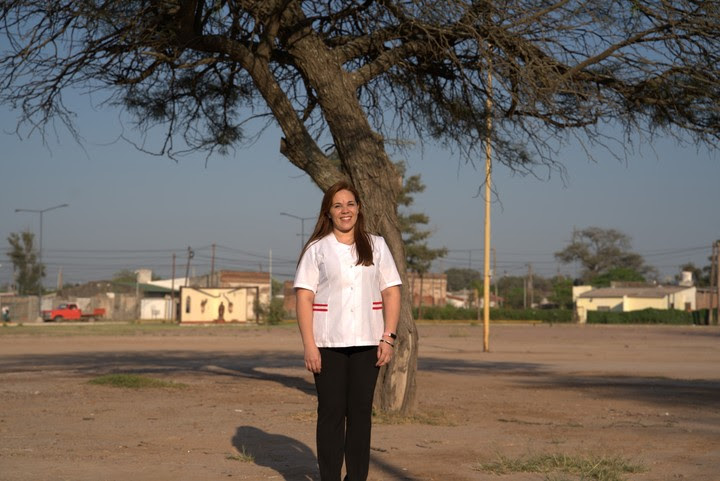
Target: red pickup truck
72	312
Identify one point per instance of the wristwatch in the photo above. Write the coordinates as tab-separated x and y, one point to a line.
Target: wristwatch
391	335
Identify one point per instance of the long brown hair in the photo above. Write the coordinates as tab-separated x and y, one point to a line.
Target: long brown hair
324	225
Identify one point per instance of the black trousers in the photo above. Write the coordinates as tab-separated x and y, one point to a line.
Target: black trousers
345	388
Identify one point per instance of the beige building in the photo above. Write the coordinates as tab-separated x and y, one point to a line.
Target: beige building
212	304
224	296
625	299
431	288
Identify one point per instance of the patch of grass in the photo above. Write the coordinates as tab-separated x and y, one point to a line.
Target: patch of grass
133	381
243	456
552	465
137	328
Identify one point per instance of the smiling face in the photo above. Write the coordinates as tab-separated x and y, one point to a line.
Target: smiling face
344	212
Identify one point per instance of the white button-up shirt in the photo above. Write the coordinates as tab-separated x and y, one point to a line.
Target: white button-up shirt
347	308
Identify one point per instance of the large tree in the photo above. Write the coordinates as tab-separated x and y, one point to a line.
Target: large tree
29	272
354	73
605	255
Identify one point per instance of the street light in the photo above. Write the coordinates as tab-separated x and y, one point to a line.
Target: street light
302	226
40	239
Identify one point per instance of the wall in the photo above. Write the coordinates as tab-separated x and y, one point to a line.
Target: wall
638	304
606	303
156	309
22	308
434	289
706	299
216	305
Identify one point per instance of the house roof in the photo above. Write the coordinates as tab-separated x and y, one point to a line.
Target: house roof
244	276
645	292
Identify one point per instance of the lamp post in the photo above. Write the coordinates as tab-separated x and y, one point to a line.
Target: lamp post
40	244
302	226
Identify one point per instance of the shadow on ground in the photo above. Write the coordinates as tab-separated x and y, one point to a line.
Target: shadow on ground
270	366
287	370
290	458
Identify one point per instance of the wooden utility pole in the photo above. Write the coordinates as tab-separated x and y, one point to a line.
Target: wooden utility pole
211	281
190	255
488	194
531	286
172	291
270	273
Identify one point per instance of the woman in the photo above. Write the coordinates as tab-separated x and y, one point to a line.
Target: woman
348	304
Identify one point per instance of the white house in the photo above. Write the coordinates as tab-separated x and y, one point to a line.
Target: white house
625	299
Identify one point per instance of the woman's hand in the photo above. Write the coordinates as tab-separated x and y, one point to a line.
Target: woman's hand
312	359
384	353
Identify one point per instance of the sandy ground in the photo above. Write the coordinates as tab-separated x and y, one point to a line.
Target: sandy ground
650	395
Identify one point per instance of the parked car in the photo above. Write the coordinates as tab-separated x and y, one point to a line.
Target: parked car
72	312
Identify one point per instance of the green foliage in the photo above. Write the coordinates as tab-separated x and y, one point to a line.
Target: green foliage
277	287
511	289
623	274
273	313
562	292
701	317
133	381
452	313
645	316
29	270
276	311
458	279
243	455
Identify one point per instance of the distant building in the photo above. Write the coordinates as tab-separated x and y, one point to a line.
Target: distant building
467	298
431	288
223	296
626	299
707	298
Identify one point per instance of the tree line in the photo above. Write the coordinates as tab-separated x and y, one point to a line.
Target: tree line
603	255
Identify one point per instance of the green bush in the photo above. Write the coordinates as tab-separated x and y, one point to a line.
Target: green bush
452	313
276	311
645	316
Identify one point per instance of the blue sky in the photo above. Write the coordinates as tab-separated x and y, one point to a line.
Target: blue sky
132	210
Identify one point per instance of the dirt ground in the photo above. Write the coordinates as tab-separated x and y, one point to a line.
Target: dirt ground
650	395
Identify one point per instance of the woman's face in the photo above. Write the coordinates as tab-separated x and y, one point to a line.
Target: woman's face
343	211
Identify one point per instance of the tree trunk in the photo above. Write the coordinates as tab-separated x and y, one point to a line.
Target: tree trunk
366	164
